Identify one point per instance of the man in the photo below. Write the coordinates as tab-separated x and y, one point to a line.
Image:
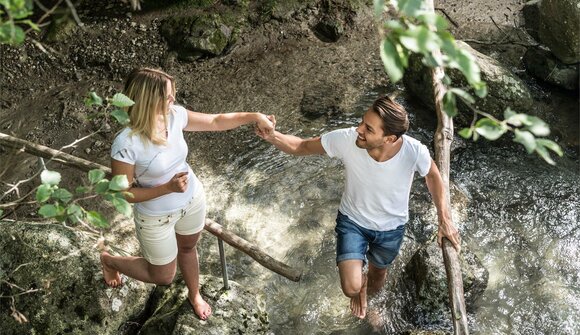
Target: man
379	162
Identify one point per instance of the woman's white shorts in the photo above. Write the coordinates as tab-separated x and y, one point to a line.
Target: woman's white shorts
156	234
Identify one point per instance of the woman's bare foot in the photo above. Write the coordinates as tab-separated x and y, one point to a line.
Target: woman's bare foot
111	276
358	305
201	308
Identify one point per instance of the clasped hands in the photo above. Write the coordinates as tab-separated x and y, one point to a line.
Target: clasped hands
265	126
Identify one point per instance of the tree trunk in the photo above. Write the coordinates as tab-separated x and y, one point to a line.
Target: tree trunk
210	225
443	139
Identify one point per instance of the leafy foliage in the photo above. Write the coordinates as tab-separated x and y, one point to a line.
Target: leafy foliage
13	14
62	205
420	31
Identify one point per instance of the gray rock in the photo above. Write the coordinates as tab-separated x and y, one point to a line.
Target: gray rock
235	311
545	66
72	297
531	12
197	36
505	89
426	281
559	22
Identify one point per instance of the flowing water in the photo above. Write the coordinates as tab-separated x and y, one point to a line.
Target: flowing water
520	219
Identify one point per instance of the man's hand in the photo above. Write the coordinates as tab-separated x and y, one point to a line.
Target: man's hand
264	133
448	229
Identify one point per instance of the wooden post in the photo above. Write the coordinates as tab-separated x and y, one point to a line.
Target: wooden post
210	225
443	139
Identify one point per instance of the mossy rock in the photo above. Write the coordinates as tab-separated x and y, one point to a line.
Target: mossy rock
72	297
193	37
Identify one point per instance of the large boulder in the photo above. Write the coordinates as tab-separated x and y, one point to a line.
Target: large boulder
543	65
559	28
197	36
61	271
235	311
505	89
426	282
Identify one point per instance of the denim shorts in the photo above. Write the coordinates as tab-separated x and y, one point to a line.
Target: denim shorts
356	242
156	234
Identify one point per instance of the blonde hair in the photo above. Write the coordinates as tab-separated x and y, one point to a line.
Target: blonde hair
148	89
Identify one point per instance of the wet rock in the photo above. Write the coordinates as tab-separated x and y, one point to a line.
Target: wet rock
235	311
72	296
559	22
425	279
505	89
324	100
543	65
194	37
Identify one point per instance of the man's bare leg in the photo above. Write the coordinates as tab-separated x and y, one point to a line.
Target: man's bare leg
377	278
189	265
354	285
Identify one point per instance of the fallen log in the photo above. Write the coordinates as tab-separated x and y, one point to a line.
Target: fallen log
211	226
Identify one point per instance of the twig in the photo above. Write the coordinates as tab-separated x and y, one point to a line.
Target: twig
500	42
448	17
74	13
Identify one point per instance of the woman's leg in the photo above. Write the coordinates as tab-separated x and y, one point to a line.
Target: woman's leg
189	266
137	268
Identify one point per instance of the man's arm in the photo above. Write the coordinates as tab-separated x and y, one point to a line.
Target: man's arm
295	145
437	190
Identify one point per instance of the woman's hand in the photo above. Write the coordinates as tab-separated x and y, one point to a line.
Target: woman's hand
178	183
265	124
266	133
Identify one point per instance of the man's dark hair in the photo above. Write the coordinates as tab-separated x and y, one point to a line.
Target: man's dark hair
394	116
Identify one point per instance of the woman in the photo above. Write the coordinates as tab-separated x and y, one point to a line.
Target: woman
169	200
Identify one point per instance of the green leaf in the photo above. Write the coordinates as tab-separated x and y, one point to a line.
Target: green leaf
465	62
121	100
82	189
409	38
379	6
391	61
18	9
74	210
96	219
433	20
122	206
121	116
446	80
543	152
428	41
1	212
50	177
526	139
490	129
466	132
119	183
93	99
102	186
448	45
62	195
409	7
43	193
47	211
449	104
32	25
464	95
509	113
537	126
96	175
480	89
394	25
550	145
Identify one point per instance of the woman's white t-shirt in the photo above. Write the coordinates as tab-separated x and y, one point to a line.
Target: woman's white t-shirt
376	195
157	164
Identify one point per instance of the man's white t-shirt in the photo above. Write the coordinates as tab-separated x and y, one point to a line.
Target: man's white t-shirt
157	164
376	195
